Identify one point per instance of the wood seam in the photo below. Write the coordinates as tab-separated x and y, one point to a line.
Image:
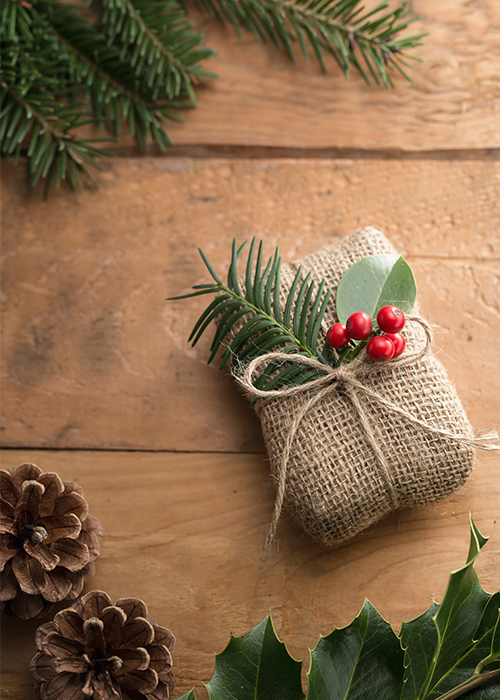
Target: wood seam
205	151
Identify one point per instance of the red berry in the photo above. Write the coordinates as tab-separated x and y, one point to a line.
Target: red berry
390	319
399	343
380	348
359	325
337	336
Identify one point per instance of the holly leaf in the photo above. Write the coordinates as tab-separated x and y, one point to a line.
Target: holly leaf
374	282
418	639
494	654
464	624
256	666
362	660
450	651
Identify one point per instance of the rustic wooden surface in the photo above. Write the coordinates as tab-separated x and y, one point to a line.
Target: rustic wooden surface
95	357
100	385
184	532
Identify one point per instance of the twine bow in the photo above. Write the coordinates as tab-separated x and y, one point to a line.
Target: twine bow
348	379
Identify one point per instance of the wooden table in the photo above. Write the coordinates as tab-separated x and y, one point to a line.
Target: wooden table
100	384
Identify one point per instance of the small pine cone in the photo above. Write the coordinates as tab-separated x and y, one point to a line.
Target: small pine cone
48	540
98	651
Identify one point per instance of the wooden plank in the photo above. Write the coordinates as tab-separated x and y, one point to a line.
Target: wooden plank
184	533
261	99
94	357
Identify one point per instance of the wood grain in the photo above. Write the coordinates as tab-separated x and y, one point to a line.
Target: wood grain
94	357
184	533
261	99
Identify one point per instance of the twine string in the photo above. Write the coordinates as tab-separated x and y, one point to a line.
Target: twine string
346	378
352	394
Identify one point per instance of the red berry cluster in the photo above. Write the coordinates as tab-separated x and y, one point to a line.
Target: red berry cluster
359	326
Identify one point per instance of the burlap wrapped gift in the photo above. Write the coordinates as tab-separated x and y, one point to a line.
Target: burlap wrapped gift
369	438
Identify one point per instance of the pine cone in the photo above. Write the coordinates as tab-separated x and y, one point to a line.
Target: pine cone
48	540
104	652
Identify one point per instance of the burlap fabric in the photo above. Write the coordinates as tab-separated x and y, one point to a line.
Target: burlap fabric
335	483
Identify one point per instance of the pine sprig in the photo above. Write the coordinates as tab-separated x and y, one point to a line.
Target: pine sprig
60	70
15	22
250	322
52	150
34	113
160	44
114	94
367	41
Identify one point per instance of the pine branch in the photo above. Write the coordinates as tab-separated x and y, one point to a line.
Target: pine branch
51	57
138	64
160	43
107	80
253	322
30	108
52	150
369	42
16	21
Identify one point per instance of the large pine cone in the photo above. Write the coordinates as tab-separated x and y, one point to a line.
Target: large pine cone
48	540
104	652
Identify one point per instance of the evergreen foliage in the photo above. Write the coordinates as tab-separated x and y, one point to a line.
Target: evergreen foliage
365	40
135	62
252	318
63	68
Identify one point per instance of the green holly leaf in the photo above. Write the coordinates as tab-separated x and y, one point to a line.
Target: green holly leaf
374	282
188	696
256	666
464	624
362	660
418	639
450	651
494	654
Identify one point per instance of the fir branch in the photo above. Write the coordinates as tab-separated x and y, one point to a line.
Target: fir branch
252	320
160	43
52	56
105	78
33	116
369	41
138	64
16	21
52	152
